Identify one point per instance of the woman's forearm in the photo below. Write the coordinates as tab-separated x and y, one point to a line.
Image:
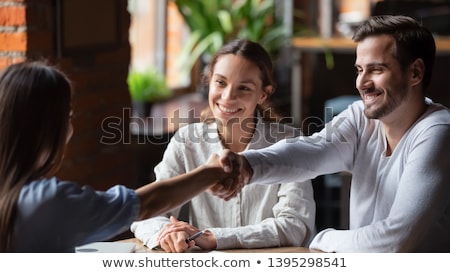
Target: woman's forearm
157	198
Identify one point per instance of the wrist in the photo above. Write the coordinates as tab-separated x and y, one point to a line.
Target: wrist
248	170
207	241
211	173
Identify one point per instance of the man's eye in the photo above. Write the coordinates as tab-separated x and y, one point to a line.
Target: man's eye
377	70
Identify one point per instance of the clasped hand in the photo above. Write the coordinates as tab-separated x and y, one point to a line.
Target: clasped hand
239	171
172	238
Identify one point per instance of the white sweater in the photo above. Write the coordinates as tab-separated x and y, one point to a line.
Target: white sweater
398	203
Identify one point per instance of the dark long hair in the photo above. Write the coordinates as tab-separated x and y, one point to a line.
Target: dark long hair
255	53
34	122
412	40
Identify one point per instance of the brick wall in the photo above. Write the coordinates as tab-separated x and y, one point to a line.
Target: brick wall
28	31
13	40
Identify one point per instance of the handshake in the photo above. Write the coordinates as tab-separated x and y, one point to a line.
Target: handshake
236	173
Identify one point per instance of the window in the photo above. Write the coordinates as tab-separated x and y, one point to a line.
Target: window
157	32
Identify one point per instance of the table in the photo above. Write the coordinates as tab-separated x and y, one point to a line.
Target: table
334	44
141	248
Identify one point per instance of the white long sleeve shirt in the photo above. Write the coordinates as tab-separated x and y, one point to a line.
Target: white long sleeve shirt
260	216
398	203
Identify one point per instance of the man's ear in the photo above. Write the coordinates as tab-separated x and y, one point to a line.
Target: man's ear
417	71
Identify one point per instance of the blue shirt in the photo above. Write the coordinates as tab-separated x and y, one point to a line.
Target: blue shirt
57	216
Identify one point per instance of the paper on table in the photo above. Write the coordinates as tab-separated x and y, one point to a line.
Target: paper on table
106	247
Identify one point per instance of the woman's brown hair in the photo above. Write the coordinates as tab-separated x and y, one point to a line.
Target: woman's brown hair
34	122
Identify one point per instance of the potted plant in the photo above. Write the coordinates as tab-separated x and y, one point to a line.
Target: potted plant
213	23
146	87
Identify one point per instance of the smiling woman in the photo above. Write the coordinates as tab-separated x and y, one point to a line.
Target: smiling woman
240	81
234	93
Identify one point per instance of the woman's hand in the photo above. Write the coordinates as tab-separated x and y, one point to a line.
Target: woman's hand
172	237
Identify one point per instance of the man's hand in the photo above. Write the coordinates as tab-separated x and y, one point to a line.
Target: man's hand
241	171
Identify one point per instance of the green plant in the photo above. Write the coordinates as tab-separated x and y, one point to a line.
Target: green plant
147	86
213	23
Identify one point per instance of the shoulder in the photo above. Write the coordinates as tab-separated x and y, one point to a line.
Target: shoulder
46	196
44	189
53	190
437	114
434	122
54	198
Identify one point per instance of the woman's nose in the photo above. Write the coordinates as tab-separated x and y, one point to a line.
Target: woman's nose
228	93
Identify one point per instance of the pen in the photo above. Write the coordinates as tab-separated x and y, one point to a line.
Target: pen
195	236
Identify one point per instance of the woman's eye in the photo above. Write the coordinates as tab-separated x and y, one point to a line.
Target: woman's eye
245	88
220	82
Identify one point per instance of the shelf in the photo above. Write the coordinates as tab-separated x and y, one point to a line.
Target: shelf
347	45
